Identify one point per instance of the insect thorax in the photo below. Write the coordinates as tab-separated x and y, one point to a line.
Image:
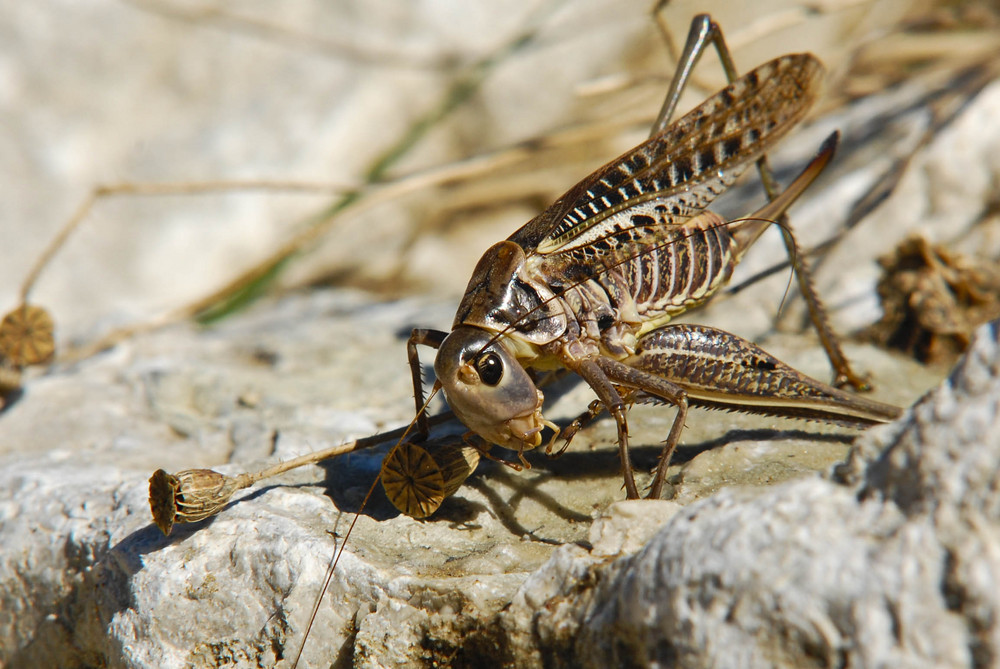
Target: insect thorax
501	298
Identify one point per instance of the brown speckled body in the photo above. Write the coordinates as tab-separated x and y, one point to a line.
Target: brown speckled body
632	246
592	283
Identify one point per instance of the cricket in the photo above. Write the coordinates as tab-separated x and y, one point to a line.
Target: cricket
590	287
592	283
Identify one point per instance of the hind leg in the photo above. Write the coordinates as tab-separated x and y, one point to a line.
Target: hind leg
704	32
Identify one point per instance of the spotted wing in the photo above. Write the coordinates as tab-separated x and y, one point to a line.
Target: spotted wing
682	169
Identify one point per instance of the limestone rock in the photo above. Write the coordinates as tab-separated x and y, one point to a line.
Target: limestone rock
900	570
892	561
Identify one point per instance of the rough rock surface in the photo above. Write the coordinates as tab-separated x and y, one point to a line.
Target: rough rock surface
899	567
892	561
87	579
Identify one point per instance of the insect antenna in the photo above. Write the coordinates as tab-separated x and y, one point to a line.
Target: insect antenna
335	559
778	266
794	250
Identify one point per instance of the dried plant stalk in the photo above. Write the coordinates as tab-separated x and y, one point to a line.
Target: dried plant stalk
195	494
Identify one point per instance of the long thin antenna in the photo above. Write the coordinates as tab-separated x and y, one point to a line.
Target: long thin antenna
364	503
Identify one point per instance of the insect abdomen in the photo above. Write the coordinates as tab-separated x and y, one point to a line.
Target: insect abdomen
695	260
641	275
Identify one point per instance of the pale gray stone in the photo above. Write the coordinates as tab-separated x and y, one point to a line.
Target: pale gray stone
901	571
892	564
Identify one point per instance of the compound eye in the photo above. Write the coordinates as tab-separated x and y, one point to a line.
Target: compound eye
490	369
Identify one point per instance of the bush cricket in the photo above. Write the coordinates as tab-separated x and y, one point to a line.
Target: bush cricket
592	283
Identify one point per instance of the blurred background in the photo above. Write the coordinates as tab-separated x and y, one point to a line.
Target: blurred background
437	127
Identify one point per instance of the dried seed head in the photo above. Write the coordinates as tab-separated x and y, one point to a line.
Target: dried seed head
163	489
417	479
457	464
189	496
26	336
412	480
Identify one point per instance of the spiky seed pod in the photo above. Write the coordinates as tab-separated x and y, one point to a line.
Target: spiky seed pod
26	336
190	495
412	480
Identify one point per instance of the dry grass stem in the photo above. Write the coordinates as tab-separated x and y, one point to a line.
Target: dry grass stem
245	24
152	189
